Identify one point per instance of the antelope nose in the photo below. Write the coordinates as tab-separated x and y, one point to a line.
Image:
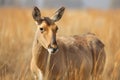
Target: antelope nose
52	48
55	49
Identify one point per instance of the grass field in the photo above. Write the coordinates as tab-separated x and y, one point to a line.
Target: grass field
17	29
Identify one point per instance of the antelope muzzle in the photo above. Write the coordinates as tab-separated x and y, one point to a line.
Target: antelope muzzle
52	48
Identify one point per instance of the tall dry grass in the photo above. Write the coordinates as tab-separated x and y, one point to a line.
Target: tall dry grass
17	30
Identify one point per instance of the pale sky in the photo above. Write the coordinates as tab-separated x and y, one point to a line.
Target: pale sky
104	4
98	4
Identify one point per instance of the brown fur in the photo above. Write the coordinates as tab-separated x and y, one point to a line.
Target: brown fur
85	50
78	58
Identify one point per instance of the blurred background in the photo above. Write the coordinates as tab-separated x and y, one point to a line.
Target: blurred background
17	30
78	4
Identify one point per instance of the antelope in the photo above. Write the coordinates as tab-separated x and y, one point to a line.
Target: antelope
78	57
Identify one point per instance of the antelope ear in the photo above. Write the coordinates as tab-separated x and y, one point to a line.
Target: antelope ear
36	14
58	14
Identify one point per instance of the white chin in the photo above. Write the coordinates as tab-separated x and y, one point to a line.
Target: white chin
50	50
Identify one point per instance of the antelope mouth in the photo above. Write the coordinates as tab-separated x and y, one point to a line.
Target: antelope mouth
52	50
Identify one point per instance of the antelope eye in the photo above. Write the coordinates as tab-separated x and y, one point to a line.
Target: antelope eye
42	30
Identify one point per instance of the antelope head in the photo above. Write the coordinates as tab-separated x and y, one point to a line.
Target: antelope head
47	29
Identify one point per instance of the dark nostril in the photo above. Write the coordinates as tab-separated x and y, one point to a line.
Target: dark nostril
55	49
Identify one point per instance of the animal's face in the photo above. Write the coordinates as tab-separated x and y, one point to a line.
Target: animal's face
47	35
47	29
